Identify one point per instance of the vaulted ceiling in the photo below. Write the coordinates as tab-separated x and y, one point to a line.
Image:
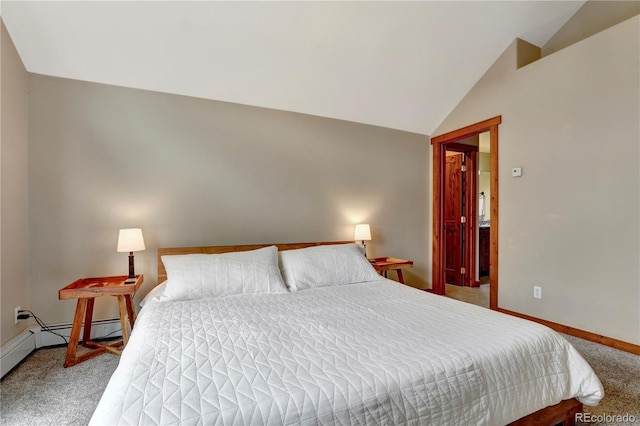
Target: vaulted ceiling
402	65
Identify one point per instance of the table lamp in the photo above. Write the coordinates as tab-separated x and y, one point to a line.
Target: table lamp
130	240
363	233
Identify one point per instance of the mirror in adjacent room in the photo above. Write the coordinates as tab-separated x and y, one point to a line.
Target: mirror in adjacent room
484	210
484	181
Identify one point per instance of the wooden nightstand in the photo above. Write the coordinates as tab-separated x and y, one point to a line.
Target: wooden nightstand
384	264
86	290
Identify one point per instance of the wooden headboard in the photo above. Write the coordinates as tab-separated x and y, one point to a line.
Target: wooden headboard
162	273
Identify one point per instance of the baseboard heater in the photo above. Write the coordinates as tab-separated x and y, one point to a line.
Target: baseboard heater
100	329
18	348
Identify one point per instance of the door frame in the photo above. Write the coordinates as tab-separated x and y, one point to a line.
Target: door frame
439	147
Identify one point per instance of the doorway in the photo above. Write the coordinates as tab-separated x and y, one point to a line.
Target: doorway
450	142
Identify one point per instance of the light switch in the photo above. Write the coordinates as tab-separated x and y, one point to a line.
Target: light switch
516	172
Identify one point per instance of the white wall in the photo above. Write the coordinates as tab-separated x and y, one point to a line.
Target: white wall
571	223
13	182
196	172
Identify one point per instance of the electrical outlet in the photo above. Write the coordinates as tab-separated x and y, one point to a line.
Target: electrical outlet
18	308
537	292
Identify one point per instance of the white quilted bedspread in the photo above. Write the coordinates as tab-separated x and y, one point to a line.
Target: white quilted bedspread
370	353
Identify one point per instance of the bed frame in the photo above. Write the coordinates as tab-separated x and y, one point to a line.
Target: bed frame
563	413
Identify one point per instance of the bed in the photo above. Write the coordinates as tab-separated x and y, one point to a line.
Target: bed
310	334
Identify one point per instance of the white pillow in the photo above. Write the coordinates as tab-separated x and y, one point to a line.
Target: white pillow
321	266
194	276
155	293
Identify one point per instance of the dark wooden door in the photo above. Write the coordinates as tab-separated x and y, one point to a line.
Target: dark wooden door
453	208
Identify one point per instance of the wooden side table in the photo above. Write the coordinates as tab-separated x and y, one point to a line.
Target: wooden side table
384	264
86	290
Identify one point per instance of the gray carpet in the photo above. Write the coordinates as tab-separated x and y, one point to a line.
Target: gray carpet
41	392
619	373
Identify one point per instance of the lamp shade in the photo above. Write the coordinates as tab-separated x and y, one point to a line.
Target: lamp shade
130	240
363	232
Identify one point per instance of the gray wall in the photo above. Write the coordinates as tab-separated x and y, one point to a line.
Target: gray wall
14	287
571	223
594	16
197	172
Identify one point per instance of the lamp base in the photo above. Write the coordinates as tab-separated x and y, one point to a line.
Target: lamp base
132	276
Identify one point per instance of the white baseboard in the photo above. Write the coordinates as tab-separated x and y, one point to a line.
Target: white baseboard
18	348
103	328
15	350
